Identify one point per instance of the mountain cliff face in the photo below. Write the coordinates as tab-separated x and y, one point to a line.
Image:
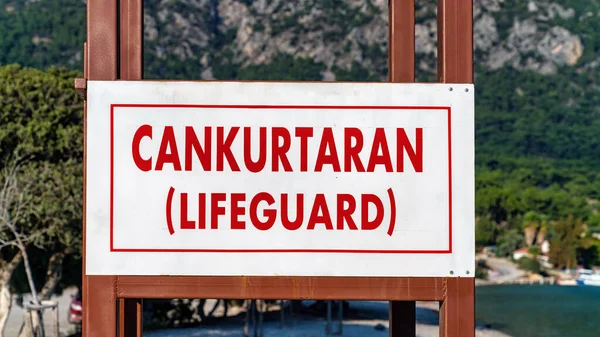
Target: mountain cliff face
340	34
198	38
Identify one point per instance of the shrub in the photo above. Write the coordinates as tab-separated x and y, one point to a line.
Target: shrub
530	264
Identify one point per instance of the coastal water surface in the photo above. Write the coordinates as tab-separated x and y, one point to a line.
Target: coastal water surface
540	311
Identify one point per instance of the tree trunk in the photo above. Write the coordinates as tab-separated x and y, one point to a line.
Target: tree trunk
34	294
5	294
541	236
53	276
530	232
212	312
31	319
226	307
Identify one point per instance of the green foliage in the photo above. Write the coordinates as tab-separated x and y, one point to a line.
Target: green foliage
485	231
43	33
41	114
481	270
534	250
506	196
566	241
283	67
480	273
42	121
355	73
588	255
594	223
529	264
521	113
510	9
71	272
509	242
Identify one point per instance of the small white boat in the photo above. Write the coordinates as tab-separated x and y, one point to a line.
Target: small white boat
566	282
586	277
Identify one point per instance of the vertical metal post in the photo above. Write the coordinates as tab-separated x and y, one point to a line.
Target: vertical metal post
130	317
328	325
102	39
329	330
56	314
253	311
403	318
401	40
455	41
261	312
341	317
401	60
455	65
130	60
281	314
100	307
246	328
457	311
131	35
99	300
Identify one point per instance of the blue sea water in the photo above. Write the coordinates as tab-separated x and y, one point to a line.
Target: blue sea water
540	311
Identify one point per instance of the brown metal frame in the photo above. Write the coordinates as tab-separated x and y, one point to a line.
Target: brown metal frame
112	305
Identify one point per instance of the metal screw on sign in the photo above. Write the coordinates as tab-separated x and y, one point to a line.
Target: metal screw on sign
467	90
450	89
452	272
467	272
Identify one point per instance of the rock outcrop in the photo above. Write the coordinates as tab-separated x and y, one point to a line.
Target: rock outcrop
339	33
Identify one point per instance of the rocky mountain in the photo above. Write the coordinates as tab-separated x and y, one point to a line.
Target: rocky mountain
341	34
204	35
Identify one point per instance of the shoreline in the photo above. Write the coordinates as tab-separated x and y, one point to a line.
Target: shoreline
481	328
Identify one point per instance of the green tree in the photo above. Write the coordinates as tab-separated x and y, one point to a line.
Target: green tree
510	241
485	231
41	118
589	253
531	223
567	239
530	264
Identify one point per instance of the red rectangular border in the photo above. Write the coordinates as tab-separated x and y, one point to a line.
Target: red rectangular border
312	107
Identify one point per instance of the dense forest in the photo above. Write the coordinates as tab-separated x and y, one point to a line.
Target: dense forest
537	134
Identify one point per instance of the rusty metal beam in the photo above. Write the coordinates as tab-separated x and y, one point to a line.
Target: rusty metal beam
455	65
455	41
100	63
131	36
279	287
401	68
102	39
131	40
81	87
401	41
457	311
100	309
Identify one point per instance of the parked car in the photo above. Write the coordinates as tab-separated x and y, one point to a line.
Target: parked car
75	309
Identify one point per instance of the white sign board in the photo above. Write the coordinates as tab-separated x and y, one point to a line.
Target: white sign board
297	179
